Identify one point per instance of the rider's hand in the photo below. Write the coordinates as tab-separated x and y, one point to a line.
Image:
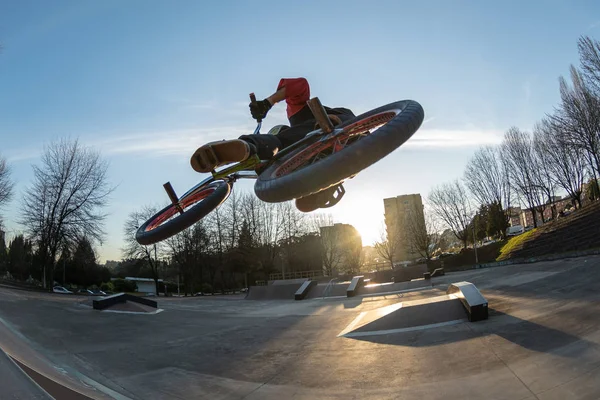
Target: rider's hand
260	109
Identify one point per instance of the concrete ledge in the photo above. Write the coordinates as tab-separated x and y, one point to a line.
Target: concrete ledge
438	272
530	260
304	289
471	298
101	304
356	283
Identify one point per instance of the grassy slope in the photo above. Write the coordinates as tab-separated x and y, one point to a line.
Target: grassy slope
514	243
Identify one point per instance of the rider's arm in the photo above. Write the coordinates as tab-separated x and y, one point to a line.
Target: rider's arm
295	92
278	96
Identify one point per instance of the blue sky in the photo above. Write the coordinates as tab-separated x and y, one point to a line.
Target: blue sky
146	82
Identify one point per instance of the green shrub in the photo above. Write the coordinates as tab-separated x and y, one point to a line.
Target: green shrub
107	287
121	285
206	288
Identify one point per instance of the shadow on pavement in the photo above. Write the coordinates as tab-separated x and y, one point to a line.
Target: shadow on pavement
527	334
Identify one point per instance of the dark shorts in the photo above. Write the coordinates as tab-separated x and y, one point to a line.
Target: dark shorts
301	123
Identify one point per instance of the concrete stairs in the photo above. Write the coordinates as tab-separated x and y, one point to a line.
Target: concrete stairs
575	232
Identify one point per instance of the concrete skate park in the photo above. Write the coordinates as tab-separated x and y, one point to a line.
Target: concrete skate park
541	341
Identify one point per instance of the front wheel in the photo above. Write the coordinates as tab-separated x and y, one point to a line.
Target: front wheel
356	145
195	205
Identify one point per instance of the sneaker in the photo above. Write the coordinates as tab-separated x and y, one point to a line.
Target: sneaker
215	154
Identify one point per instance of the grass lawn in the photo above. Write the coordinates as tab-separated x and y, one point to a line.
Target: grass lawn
514	243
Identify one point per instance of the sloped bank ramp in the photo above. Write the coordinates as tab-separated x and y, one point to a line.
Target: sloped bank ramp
277	290
408	316
15	384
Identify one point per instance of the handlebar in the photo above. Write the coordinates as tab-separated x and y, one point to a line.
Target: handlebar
253	101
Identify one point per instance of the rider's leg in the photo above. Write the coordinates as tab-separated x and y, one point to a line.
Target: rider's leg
216	154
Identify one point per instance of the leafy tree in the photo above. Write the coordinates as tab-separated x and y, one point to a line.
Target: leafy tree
121	285
3	253
20	256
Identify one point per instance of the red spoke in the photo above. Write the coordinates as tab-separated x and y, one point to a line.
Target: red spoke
322	149
186	202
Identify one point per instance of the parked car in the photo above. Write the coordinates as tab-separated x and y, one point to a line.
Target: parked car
515	230
87	292
98	292
60	289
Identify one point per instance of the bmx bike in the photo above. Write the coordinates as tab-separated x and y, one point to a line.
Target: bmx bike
324	158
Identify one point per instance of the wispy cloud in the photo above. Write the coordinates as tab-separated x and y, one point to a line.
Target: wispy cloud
204	105
166	143
18	155
593	25
428	120
527	91
436	138
185	141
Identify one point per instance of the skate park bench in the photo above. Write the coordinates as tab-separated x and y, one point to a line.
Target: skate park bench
356	283
101	304
471	298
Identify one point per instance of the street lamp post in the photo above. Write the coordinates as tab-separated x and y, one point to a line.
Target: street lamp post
475	240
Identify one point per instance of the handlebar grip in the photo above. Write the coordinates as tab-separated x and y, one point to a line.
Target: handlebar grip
253	100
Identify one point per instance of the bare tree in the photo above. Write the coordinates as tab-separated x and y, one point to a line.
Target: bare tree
589	56
66	199
152	253
521	163
387	245
450	203
293	226
487	179
6	185
423	231
331	241
266	224
189	251
543	175
578	118
354	256
217	226
565	164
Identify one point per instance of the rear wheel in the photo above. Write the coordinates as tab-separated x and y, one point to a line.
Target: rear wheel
195	205
357	144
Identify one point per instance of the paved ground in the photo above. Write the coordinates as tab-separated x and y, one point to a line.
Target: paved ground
541	342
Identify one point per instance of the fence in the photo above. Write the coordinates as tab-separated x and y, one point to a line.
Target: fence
295	275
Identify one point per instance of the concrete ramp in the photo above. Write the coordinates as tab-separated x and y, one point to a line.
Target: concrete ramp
383	288
337	289
408	316
15	384
275	291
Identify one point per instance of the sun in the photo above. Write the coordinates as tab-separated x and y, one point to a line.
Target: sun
365	215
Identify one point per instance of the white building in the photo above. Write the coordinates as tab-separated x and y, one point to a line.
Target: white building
144	285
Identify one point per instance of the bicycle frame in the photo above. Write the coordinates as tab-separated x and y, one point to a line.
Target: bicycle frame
236	171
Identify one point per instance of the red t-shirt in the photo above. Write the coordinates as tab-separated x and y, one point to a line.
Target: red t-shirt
297	93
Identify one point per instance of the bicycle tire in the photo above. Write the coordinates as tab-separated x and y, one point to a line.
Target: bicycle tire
344	163
148	234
